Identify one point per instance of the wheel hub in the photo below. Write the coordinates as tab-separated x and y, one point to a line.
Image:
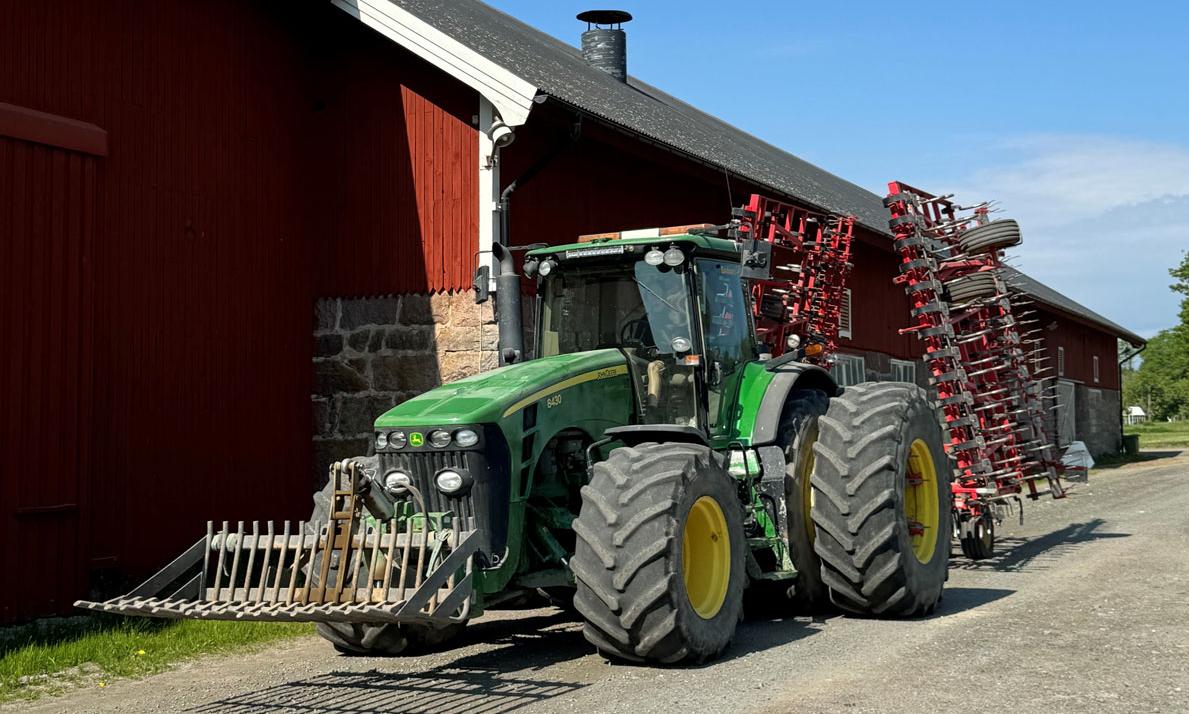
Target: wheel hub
706	557
921	509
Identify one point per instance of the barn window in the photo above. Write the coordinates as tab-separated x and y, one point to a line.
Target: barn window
904	371
1060	361
844	316
849	369
1096	369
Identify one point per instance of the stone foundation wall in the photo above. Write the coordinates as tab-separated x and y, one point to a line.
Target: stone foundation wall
1097	414
371	354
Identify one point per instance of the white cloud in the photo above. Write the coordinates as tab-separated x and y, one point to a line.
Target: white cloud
1103	218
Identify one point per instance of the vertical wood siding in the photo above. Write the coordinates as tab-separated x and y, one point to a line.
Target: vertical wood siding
47	221
159	300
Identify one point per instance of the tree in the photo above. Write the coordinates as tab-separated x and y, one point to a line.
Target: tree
1161	384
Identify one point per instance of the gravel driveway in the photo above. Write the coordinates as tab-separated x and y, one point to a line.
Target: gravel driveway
1085	609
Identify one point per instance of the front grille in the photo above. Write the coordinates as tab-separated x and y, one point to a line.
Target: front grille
423	466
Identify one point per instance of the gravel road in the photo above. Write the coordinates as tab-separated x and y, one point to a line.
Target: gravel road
1085	609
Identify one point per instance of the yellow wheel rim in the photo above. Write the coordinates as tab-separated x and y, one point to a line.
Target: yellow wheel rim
805	473
921	501
706	557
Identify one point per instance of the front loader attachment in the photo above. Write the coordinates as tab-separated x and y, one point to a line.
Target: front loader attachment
348	568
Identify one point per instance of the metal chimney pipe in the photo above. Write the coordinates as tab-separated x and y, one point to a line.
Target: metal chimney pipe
605	44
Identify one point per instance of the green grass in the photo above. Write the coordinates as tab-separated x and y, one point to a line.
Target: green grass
1157	434
48	656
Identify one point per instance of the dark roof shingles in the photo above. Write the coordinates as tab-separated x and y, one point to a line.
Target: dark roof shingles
558	70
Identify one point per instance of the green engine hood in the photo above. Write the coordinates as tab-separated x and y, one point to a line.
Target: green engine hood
490	396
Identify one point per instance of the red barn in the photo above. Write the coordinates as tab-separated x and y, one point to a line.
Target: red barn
235	232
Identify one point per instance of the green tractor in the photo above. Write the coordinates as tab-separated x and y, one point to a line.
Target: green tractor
648	465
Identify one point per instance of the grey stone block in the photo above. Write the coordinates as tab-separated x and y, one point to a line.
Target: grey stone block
358	340
368	311
416	310
326	313
321	416
409	338
334	377
405	373
356	414
328	345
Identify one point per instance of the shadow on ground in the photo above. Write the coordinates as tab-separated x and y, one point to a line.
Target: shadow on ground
1108	463
489	682
1018	554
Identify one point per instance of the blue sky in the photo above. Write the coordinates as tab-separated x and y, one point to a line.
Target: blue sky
1075	116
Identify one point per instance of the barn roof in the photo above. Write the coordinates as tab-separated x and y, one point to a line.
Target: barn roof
559	72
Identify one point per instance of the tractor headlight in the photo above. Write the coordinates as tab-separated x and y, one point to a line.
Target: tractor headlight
674	257
397	482
397	439
451	482
546	267
381	440
654	257
439	438
466	438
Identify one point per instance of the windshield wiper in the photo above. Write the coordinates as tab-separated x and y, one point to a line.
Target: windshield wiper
658	297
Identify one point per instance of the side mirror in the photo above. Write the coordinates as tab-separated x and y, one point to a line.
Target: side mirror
482	284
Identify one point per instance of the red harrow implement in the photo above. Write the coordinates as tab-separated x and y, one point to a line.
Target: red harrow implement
797	308
982	359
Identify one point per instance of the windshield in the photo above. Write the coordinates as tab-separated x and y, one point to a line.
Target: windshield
643	310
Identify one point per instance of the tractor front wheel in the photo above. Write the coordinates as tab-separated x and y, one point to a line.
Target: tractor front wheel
882	501
659	561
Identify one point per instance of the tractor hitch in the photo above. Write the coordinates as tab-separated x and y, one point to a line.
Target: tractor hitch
347	568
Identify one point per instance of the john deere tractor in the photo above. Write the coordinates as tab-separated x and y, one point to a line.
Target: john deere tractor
648	464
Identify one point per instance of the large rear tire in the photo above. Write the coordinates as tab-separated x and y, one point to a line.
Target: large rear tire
379	639
659	561
799	431
882	501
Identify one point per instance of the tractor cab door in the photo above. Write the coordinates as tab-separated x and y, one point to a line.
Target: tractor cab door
728	339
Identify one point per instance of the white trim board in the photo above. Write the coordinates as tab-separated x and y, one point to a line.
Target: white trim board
511	95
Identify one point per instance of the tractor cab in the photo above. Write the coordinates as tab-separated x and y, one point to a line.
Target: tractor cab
673	304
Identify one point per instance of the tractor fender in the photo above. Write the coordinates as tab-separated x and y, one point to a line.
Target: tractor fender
785	380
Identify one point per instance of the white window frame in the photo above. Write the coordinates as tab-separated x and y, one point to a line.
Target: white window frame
849	370
904	370
1060	361
845	316
1096	369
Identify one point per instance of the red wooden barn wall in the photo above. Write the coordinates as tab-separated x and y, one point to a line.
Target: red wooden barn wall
1082	343
261	155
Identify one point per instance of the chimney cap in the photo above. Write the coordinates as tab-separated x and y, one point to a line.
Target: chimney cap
605	17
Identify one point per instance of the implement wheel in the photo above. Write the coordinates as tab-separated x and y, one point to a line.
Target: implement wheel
882	501
380	639
977	537
996	235
799	431
659	561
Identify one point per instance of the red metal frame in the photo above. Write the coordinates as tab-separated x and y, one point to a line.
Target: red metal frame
808	270
979	358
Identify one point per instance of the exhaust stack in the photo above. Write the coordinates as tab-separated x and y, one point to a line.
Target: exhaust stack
604	44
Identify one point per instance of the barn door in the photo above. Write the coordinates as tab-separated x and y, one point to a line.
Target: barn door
47	220
1066	413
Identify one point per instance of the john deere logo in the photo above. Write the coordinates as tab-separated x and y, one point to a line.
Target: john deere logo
416	439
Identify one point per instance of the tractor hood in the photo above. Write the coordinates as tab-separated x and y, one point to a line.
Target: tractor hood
490	396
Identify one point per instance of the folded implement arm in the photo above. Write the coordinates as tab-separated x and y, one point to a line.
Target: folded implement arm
983	354
347	568
798	264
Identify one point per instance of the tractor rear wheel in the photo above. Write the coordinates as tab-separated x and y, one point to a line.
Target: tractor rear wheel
799	431
659	561
379	639
881	505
